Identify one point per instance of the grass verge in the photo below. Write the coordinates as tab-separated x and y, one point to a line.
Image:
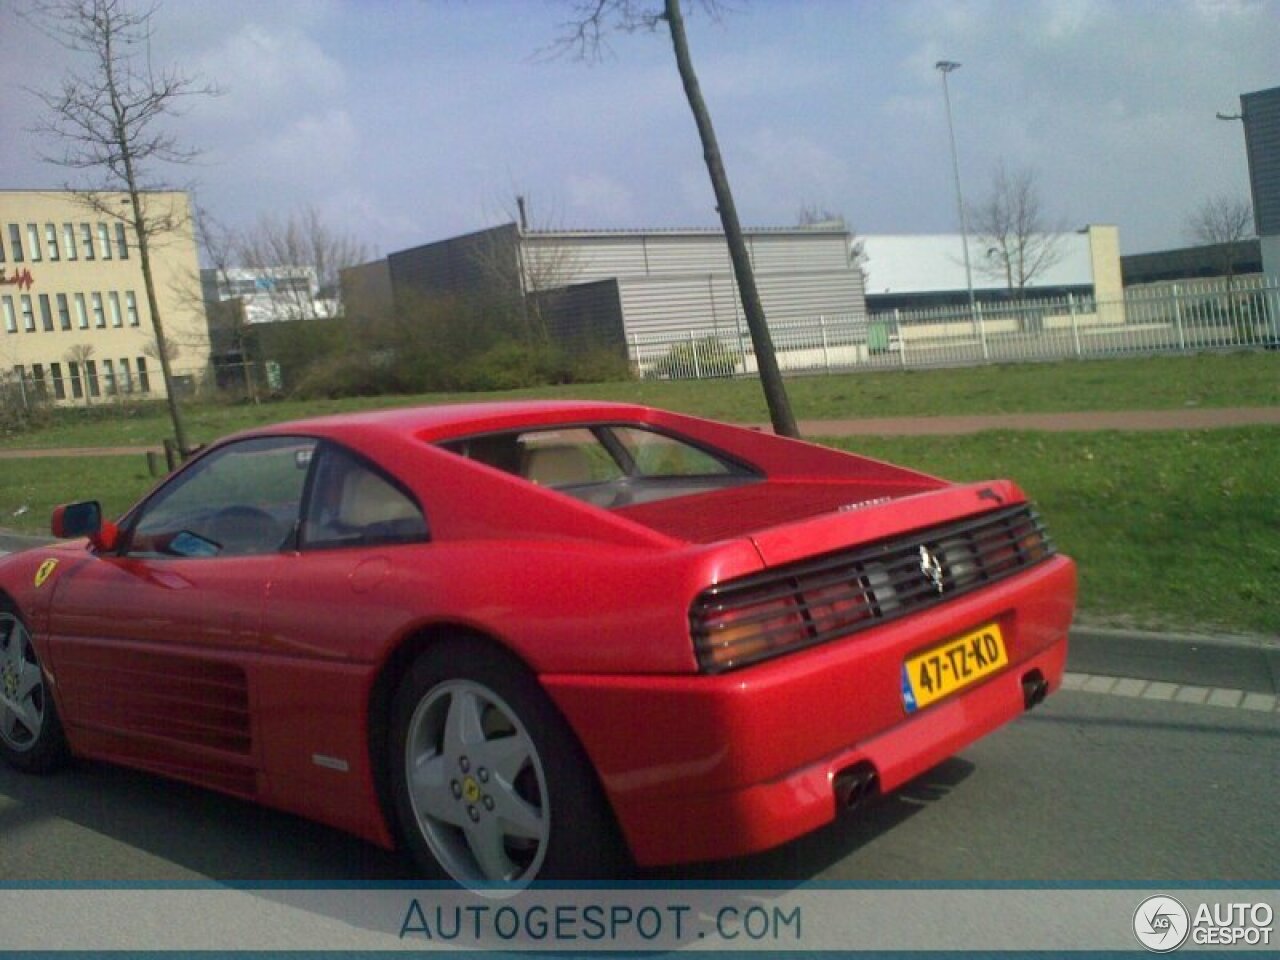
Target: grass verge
1172	529
1140	383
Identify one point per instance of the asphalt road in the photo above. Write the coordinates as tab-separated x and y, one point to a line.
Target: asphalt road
1089	787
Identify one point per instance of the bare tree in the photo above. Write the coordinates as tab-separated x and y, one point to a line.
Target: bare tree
1011	226
584	36
78	357
512	258
812	215
1223	220
226	316
297	262
109	122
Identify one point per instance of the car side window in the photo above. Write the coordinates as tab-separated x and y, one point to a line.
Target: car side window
241	499
353	503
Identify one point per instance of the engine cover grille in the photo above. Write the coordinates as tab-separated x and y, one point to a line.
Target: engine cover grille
839	593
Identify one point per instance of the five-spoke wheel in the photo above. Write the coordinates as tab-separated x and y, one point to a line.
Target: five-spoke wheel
491	787
476	784
30	734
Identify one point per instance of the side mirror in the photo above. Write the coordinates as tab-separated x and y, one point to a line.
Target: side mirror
72	520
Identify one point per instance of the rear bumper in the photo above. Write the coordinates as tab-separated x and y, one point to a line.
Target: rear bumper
707	767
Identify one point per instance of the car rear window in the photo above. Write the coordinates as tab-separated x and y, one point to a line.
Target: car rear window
609	465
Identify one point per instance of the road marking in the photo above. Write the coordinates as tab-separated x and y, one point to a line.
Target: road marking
1171	692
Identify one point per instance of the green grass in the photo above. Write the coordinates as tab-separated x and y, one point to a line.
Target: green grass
1172	529
31	488
1148	383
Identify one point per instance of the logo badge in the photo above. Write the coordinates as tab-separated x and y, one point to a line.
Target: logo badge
45	571
471	789
1161	924
931	568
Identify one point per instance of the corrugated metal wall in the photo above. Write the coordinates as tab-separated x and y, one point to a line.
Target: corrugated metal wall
584	316
476	262
681	283
1262	137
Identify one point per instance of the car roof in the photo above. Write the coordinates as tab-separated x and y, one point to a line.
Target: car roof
442	421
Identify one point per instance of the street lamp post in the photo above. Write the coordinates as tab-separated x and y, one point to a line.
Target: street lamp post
945	67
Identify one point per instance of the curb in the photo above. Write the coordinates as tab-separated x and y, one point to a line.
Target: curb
1251	664
12	542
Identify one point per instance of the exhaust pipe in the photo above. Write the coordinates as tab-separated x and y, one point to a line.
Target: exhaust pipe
1034	689
855	785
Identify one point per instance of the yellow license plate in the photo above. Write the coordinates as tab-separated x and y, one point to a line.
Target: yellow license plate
951	666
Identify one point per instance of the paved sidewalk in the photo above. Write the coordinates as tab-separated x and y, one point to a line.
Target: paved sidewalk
31	453
1189	418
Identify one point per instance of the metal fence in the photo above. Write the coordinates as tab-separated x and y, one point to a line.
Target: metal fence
1236	313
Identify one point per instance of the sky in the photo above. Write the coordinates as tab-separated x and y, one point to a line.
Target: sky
407	121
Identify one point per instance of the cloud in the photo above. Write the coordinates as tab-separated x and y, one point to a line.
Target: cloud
597	197
269	73
321	146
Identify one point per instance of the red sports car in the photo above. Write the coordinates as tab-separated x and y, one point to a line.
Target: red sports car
535	640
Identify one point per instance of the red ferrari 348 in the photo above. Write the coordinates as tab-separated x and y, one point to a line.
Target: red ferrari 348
535	640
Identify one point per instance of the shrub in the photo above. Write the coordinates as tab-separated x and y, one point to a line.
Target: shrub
708	357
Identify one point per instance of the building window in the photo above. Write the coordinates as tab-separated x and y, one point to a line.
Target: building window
144	381
131	307
126	379
122	242
86	240
1	248
109	377
114	299
28	314
10	318
33	242
82	314
64	312
104	240
59	388
15	242
46	313
73	370
91	374
51	241
37	377
99	317
69	240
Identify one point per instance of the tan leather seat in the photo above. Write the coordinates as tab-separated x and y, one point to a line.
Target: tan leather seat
367	500
556	466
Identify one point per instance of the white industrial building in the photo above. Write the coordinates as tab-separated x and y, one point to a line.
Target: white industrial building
269	295
918	271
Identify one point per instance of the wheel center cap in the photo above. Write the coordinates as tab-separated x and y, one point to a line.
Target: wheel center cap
471	789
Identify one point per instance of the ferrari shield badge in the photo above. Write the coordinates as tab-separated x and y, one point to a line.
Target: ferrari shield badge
45	571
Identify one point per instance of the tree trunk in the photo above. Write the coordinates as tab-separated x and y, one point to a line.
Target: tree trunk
157	323
775	392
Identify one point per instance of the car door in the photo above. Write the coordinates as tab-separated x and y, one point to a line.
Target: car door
153	645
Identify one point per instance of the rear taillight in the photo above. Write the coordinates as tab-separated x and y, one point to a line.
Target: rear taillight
751	629
743	621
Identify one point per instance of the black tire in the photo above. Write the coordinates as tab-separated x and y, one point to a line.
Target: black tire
31	737
505	793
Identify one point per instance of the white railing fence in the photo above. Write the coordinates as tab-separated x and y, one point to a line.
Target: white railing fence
1220	314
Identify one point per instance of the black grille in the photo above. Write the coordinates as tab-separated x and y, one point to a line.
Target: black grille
839	593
